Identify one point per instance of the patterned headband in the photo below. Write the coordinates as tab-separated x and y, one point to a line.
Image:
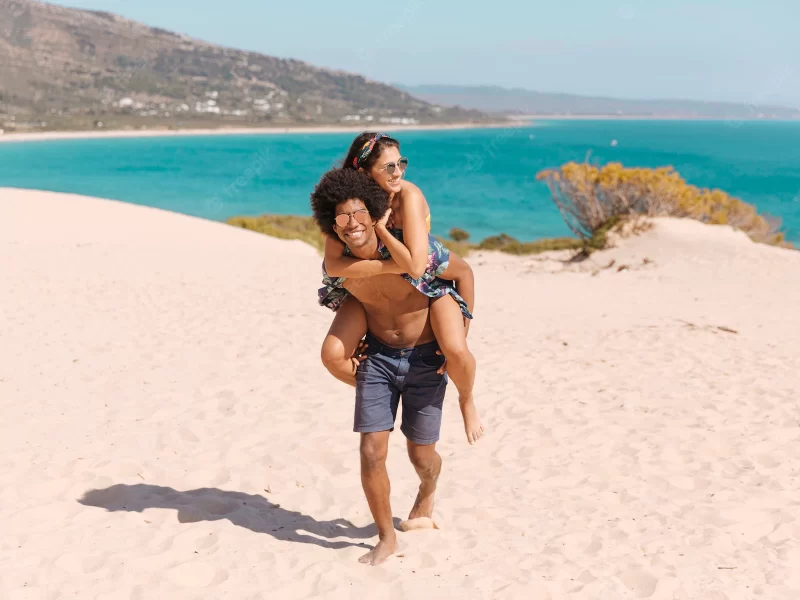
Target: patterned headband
366	150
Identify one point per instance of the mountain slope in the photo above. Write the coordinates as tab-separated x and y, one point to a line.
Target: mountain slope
71	68
502	100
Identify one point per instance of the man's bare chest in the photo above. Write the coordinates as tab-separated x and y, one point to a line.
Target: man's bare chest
380	289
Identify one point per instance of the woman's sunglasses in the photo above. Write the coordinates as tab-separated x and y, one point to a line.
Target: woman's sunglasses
343	219
401	164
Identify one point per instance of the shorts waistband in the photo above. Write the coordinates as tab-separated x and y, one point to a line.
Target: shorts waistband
375	345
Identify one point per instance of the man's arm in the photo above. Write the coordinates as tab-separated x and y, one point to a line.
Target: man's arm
339	265
459	271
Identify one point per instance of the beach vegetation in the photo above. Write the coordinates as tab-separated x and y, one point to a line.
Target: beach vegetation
509	245
592	200
460	248
458	235
294	227
285	227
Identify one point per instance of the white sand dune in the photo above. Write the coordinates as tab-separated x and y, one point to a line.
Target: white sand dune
168	431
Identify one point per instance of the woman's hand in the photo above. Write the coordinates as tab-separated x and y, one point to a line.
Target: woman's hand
380	226
382	222
360	355
443	369
390	220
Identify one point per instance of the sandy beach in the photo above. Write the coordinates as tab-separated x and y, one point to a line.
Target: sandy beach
143	133
512	121
168	430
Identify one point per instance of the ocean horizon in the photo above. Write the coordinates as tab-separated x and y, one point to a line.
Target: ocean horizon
480	180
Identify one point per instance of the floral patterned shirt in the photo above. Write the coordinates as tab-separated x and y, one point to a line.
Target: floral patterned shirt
333	294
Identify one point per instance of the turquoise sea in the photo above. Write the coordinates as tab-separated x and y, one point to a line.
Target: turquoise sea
481	180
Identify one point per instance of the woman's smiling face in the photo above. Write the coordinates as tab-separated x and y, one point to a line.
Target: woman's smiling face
378	172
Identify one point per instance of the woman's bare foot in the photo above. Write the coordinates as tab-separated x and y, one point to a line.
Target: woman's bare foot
382	550
472	422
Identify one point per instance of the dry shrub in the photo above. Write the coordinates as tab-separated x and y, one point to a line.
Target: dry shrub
287	227
458	235
509	245
588	197
460	248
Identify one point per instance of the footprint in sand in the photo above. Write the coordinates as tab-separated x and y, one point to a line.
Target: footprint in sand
594	548
197	575
227	407
641	584
70	563
427	561
207	541
188	435
94	563
223	476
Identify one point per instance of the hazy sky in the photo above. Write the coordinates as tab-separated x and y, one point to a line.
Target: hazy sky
738	50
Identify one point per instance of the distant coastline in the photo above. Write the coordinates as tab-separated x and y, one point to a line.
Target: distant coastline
512	121
224	131
495	100
544	117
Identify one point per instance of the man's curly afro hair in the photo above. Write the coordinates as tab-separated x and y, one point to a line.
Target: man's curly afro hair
340	185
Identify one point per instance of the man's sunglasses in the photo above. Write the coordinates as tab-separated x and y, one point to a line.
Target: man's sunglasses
401	164
361	216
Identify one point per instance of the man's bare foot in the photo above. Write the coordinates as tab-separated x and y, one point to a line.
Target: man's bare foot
472	422
423	505
418	523
382	550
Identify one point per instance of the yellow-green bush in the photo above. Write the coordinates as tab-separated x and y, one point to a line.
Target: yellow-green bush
287	227
460	248
293	227
589	196
458	235
509	245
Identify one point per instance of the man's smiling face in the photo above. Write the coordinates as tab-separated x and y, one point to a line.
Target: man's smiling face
359	229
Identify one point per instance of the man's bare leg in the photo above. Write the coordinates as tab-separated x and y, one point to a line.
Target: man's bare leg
428	465
375	480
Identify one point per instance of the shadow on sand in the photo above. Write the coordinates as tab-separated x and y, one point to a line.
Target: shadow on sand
253	512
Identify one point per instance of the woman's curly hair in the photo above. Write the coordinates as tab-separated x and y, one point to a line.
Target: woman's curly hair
341	185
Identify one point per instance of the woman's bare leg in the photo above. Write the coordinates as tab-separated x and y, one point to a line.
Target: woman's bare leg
448	327
348	328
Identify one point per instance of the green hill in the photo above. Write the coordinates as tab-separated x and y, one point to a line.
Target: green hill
63	68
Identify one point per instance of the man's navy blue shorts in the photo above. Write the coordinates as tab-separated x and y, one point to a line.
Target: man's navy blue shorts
390	374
